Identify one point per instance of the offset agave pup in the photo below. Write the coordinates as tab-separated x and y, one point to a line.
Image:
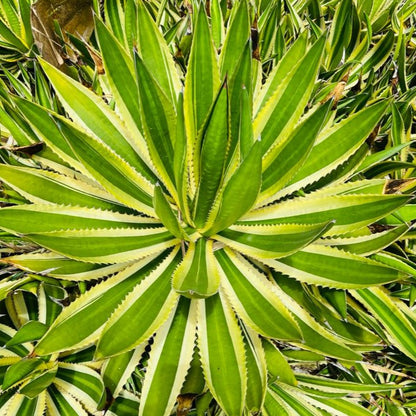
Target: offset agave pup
192	199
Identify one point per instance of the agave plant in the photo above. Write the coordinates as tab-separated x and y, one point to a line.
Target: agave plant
205	206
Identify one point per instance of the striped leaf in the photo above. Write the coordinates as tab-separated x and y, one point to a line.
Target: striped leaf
21	405
116	370
60	267
350	212
197	276
28	219
333	148
202	78
169	360
41	186
106	245
222	353
89	313
271	241
91	112
274	124
152	300
254	299
326	266
81	382
210	157
399	330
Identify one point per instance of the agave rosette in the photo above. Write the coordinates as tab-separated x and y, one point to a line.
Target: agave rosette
197	195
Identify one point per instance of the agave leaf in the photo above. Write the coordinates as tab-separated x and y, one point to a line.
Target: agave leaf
210	158
336	145
271	241
277	366
165	213
399	330
119	70
331	267
59	402
286	65
90	111
158	117
294	398
202	78
316	338
89	313
169	360
197	276
237	35
222	353
152	300
38	384
126	404
116	370
291	154
274	124
21	405
41	186
274	405
34	218
328	385
343	407
350	212
154	51
61	267
112	172
256	371
368	244
254	299
106	245
19	371
180	162
81	382
32	330
240	192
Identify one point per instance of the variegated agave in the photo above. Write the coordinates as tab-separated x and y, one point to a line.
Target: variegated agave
194	200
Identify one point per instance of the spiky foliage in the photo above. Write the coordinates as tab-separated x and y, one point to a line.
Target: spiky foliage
224	214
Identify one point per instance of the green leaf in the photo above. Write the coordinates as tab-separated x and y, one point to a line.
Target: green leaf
291	153
169	361
41	186
155	52
90	111
106	245
277	365
254	298
117	370
222	353
59	402
210	158
158	118
328	385
350	212
90	312
30	331
20	370
81	382
271	241
152	300
256	371
165	213
400	331
34	218
284	108
240	192
197	276
202	78
38	384
336	145
326	266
